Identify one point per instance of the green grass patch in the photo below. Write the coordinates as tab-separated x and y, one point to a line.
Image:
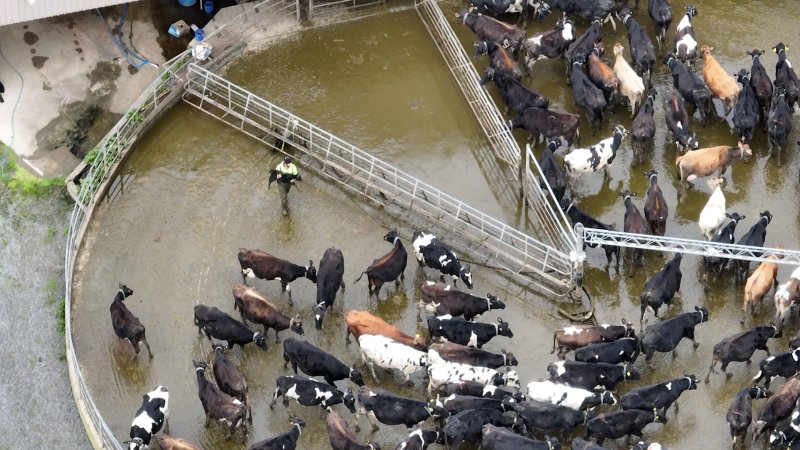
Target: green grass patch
51	291
61	320
22	181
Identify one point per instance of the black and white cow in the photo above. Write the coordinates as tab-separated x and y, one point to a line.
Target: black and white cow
220	325
466	426
576	336
549	44
476	389
583	45
432	252
785	76
786	364
389	267
310	392
440	299
441	372
622	350
390	354
471	334
713	262
547	417
260	264
219	405
448	351
314	361
685	41
691	87
380	405
125	324
661	14
643	52
661	288
596	157
617	424
591	375
552	173
420	440
329	281
740	413
283	441
665	336
754	237
659	396
678	122
576	215
150	418
498	438
571	397
741	346
587	9
746	113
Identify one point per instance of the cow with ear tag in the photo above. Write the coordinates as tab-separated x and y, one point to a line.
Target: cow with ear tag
431	252
740	413
150	418
472	334
666	335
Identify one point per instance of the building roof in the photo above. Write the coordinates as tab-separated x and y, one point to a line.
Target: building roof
15	11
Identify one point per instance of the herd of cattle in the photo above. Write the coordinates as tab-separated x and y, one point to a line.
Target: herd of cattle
473	394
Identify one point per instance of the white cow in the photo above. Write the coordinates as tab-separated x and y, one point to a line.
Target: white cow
563	395
596	157
713	214
441	372
390	354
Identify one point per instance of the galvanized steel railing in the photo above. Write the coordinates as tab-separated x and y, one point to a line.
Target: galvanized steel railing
483	237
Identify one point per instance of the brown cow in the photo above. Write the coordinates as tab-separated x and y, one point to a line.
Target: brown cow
777	407
340	435
601	75
722	85
253	306
168	442
576	336
764	278
362	322
706	161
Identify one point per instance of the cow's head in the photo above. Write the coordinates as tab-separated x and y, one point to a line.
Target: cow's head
755	53
691	380
494	302
629	330
742	76
497	379
607	397
299	423
511	378
703	314
373	446
125	290
296	325
135	444
766	215
311	271
510	359
349	401
319	314
540	9
503	329
391	236
488	75
356	377
219	349
466	275
777	438
509	404
481	48
436	410
260	340
630	373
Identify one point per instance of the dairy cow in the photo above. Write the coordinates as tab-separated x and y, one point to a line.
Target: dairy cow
150	418
432	252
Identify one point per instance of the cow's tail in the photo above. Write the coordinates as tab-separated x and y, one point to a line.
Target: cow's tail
554	344
359	277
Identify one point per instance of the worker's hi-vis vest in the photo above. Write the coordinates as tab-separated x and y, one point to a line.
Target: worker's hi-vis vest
291	170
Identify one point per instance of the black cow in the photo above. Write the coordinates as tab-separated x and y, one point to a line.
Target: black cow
617	424
496	438
691	87
500	62
455	403
576	215
439	299
220	325
449	351
466	426
583	45
260	264
678	122
340	436
656	209
661	14
553	173
420	440
754	237
633	223
587	9
665	336
391	409
229	379
582	444
778	407
550	44
125	324
150	418
779	123
785	76
761	84
658	396
591	375
329	280
283	441
472	334
587	95
746	112
475	389
498	7
310	392
432	252
661	288
547	124
516	96
622	350
786	364
741	346
643	52
219	405
547	417
644	127
685	40
712	262
316	362
490	29
740	413
389	267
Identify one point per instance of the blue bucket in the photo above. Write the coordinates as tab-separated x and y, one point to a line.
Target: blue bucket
208	5
187	2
